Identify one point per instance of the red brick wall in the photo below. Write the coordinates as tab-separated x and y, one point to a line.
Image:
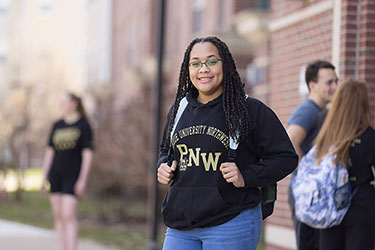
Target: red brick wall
240	5
132	45
349	38
280	8
262	52
308	40
358	43
367	59
291	48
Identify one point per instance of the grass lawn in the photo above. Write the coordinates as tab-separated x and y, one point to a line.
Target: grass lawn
34	209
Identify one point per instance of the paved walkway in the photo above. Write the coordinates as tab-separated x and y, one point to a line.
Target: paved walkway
17	236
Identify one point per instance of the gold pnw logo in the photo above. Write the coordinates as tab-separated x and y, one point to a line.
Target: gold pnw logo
66	138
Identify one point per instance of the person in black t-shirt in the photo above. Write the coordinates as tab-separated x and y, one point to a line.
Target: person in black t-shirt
66	165
213	202
348	134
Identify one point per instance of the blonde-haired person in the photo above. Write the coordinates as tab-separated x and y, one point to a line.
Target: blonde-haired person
66	165
348	129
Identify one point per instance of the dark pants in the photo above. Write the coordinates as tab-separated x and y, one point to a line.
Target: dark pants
307	237
359	236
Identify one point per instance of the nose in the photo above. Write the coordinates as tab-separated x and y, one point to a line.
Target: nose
204	68
335	85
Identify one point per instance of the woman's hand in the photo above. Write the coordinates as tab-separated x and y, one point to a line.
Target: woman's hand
232	174
80	187
165	172
43	187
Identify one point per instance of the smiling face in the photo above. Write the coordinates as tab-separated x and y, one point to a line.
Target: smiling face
325	87
208	80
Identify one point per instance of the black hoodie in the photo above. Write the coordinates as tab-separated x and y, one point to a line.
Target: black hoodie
199	196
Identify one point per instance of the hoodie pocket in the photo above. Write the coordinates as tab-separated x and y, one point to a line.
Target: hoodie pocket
186	206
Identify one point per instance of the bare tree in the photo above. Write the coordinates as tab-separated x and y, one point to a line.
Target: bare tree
122	153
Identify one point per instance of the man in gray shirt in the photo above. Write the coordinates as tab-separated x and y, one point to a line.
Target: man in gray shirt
304	125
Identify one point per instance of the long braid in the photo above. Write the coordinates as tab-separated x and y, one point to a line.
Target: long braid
234	101
184	86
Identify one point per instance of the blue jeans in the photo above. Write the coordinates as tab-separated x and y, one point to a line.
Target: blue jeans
240	233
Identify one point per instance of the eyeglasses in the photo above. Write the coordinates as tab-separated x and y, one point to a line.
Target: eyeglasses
209	64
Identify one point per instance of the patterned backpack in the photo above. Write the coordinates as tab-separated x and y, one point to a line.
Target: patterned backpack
322	192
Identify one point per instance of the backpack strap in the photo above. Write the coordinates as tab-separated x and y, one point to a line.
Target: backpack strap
181	108
233	145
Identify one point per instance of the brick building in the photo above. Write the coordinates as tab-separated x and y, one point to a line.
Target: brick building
271	41
291	35
134	39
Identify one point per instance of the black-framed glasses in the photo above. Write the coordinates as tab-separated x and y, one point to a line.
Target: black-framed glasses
209	64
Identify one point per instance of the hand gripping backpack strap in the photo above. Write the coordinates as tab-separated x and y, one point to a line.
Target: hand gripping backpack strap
268	192
181	108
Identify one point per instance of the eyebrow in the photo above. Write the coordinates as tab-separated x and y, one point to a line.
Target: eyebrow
196	58
333	80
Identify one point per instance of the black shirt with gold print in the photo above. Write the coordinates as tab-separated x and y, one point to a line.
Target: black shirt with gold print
68	141
199	196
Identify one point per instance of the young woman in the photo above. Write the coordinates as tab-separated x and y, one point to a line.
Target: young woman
66	165
347	129
212	203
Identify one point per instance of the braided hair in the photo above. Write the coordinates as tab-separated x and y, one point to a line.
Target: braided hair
234	99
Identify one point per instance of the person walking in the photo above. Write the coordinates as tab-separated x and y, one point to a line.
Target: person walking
66	166
213	203
348	134
303	126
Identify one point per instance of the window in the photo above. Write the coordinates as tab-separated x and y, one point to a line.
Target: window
255	74
45	5
4	6
3	50
263	4
198	9
130	34
303	90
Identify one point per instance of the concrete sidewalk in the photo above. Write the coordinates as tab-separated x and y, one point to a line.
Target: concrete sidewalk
17	236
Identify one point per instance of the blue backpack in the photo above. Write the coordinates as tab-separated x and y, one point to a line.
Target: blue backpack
322	192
